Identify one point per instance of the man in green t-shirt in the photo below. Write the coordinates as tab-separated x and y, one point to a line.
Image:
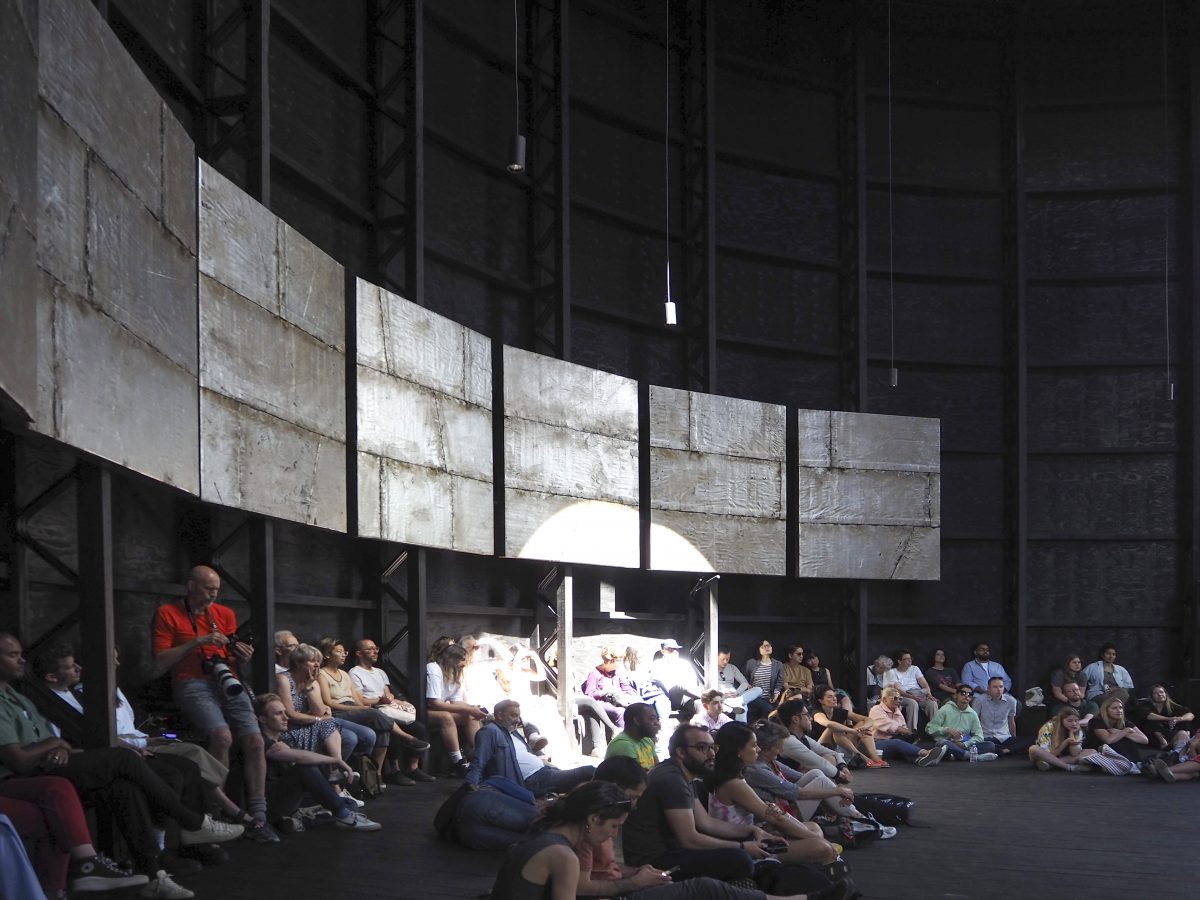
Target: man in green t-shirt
637	740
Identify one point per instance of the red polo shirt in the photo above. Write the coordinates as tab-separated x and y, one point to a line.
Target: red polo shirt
174	626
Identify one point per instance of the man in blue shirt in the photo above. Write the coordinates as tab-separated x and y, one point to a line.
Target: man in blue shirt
982	668
500	749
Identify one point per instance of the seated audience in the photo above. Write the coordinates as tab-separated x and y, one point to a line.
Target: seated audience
1120	742
456	720
998	717
797	677
956	726
822	676
893	738
915	693
310	722
1059	743
1085	709
765	673
710	715
982	668
1166	722
1187	769
801	751
46	813
670	828
609	688
501	749
645	686
880	674
737	691
942	679
835	726
799	794
639	739
339	694
111	777
676	674
297	773
375	687
1105	677
285	643
1070	673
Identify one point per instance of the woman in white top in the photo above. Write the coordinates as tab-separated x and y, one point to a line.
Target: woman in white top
448	712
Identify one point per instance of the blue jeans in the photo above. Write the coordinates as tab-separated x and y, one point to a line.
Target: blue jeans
550	779
356	738
17	878
958	750
747	698
894	748
490	820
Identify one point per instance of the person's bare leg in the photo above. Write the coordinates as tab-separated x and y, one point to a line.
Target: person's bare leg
443	723
868	743
220	739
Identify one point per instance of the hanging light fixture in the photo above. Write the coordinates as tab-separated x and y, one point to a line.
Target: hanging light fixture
668	307
516	149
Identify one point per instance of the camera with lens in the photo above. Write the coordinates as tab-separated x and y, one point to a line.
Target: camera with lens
220	673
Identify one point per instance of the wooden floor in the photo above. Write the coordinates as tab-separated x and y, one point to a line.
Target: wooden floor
991	830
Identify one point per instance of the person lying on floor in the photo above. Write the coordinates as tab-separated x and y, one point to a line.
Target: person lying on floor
501	749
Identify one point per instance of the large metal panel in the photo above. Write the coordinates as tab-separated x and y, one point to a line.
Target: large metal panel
272	363
570	462
716	483
424	426
869	496
18	199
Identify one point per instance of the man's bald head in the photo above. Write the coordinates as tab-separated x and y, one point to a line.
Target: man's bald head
203	585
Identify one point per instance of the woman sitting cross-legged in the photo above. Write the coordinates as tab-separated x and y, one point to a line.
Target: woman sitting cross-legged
549	864
1059	743
1166	722
835	726
891	731
340	695
294	772
1119	742
732	799
800	794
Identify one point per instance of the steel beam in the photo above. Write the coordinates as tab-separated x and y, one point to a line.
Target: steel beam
1016	461
262	602
1188	382
95	529
697	90
566	641
417	602
14	579
548	166
258	100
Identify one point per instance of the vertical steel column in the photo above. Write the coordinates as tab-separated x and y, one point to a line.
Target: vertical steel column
698	72
14	614
262	601
712	636
1017	459
852	250
1188	386
93	502
417	602
258	100
566	641
548	164
396	164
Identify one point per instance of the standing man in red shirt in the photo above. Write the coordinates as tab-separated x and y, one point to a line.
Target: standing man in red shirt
192	636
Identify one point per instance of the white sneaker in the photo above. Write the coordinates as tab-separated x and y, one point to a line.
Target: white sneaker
987	757
163	887
357	822
211	831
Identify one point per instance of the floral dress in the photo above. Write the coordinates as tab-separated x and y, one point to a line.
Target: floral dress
306	737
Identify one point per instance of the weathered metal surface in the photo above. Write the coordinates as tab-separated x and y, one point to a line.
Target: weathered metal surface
116	396
424	426
895	443
570	439
179	174
254	461
62	201
717	474
272	363
18	203
870	495
869	551
94	84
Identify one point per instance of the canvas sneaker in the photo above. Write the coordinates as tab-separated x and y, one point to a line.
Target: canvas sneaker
211	831
98	874
164	888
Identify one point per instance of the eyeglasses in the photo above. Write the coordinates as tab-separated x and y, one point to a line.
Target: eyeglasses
966	693
703	748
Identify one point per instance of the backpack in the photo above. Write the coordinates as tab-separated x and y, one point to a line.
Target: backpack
887	809
369	782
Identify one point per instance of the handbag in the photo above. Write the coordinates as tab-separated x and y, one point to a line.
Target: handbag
886	809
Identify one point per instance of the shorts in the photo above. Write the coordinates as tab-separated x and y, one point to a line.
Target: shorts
208	709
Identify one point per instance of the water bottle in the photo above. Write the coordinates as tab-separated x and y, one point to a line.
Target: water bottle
973	753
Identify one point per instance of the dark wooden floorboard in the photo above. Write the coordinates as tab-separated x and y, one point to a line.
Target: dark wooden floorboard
994	830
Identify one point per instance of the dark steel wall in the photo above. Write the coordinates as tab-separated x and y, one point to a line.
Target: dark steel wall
1009	252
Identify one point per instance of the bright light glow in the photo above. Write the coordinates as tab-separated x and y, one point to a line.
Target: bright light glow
596	532
671	317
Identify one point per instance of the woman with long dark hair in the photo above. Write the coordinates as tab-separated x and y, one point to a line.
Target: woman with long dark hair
835	726
731	799
765	673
